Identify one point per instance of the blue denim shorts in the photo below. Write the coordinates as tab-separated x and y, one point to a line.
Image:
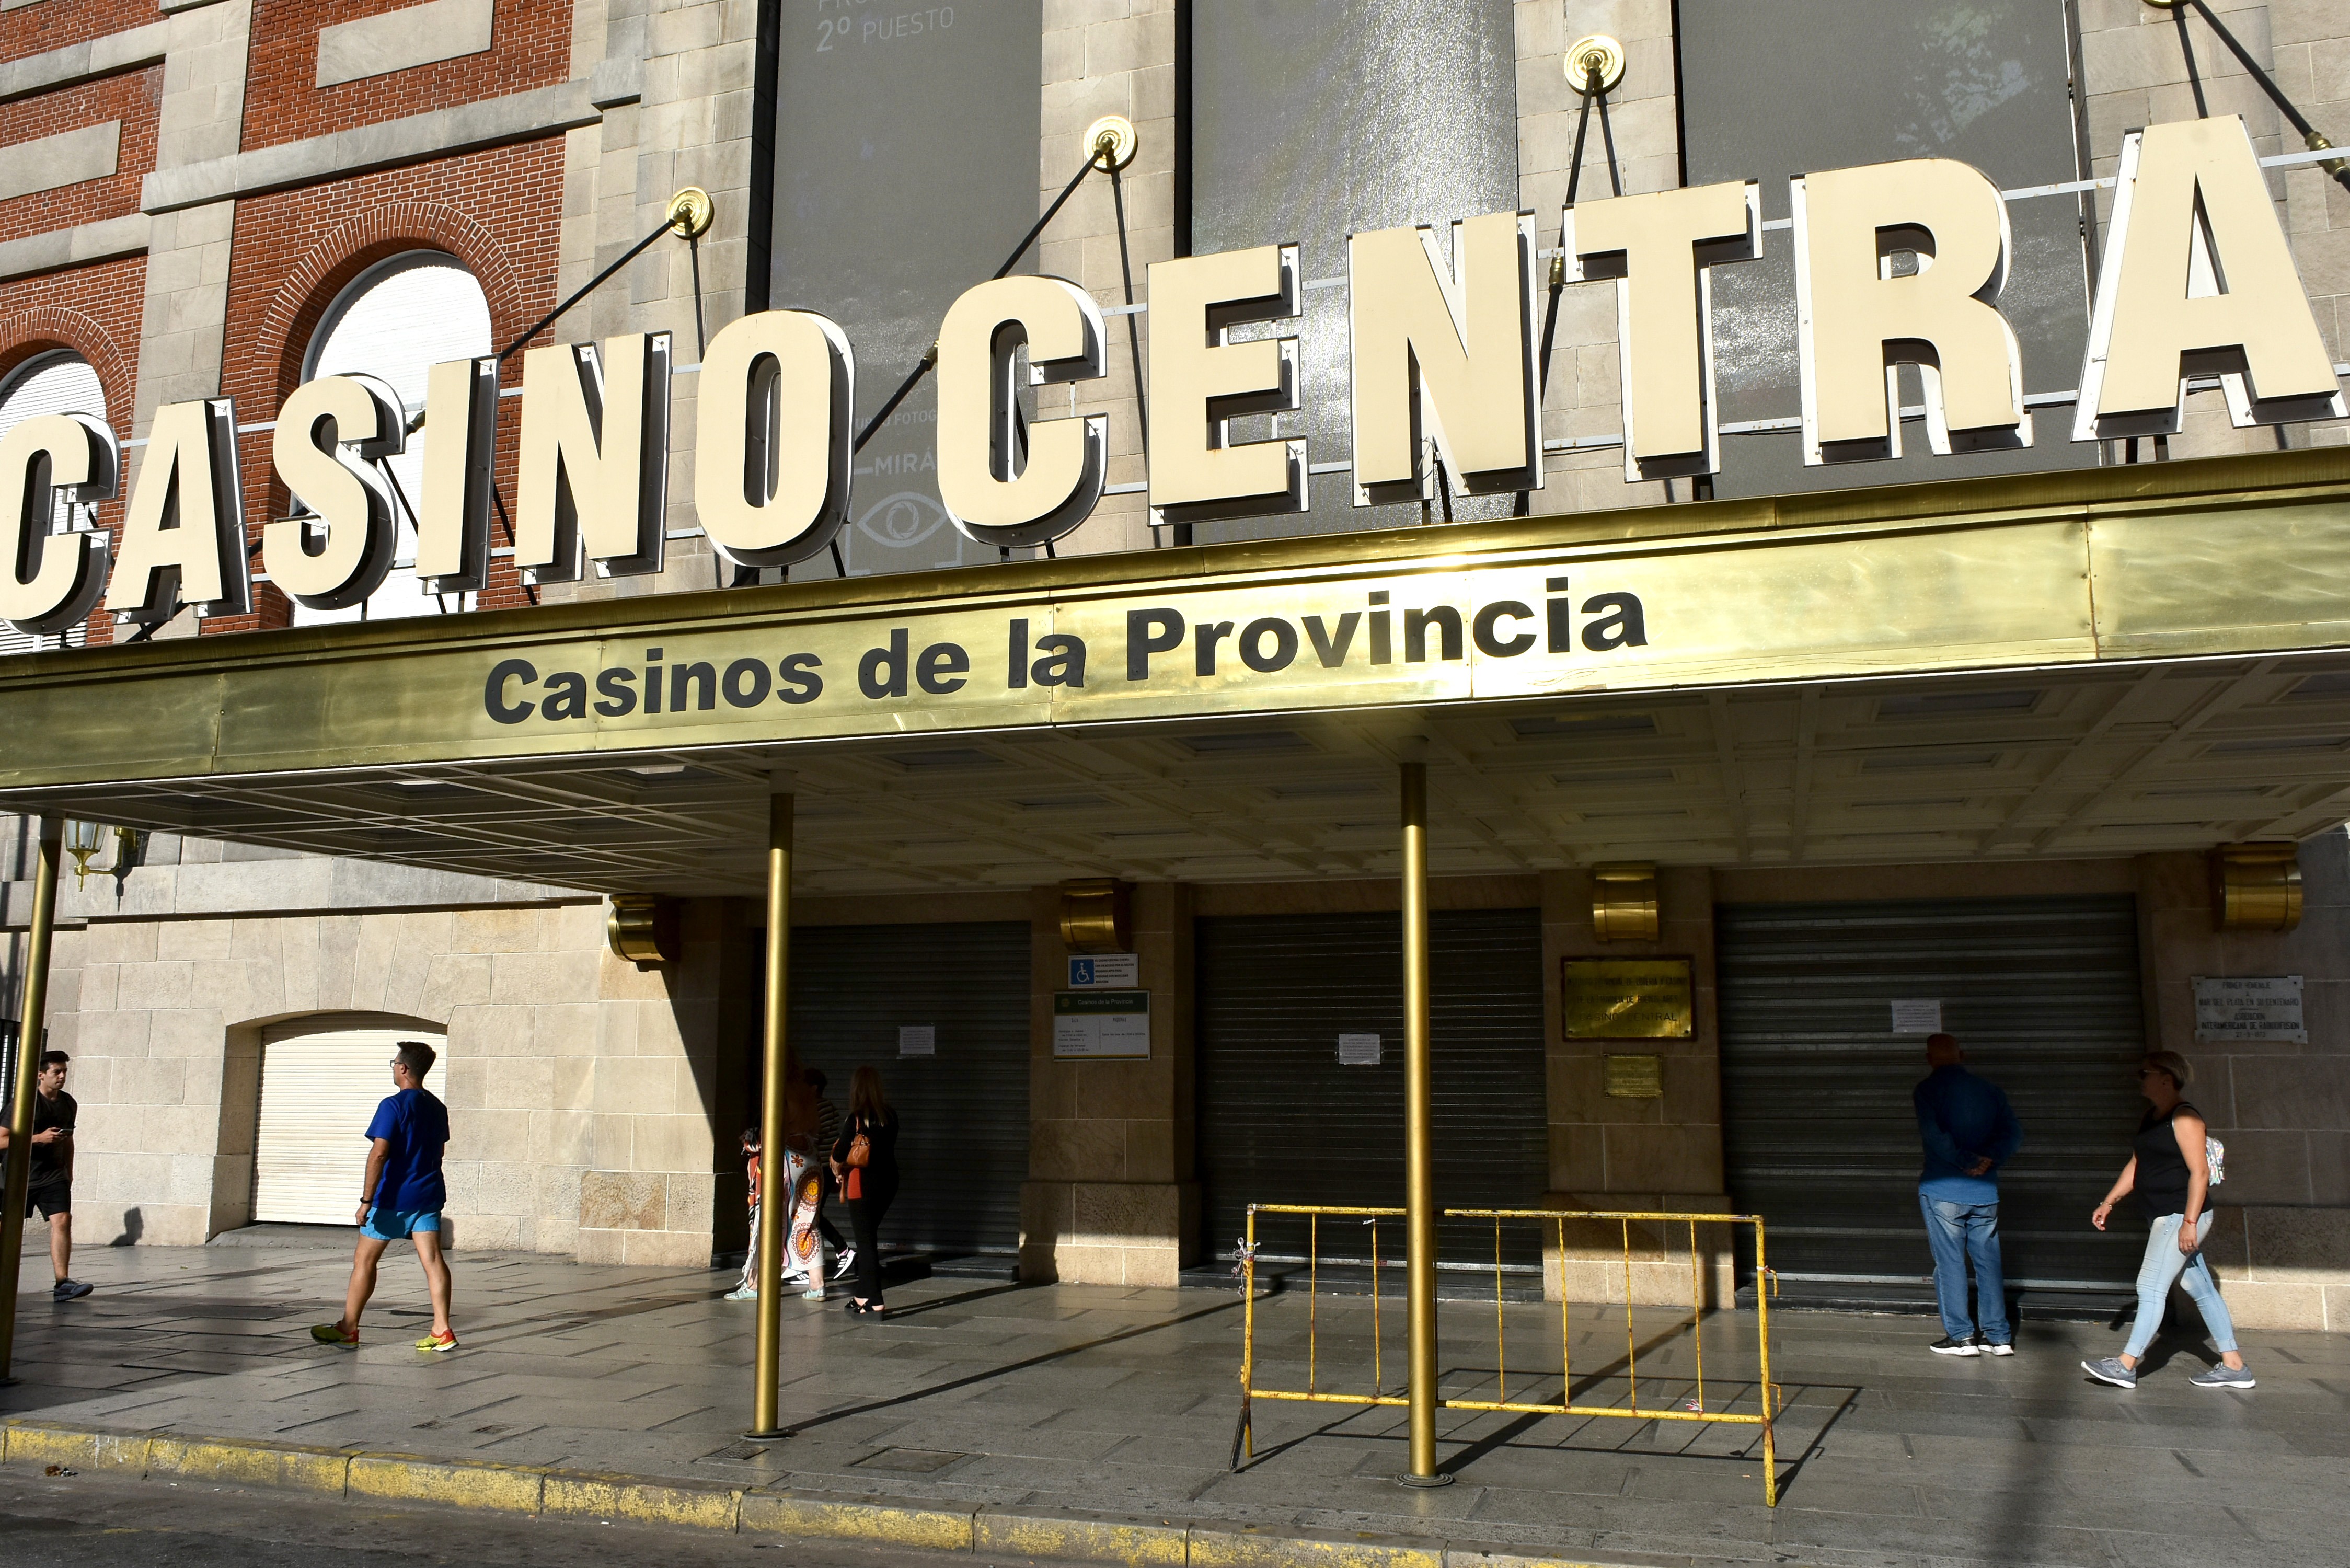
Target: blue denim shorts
392	1224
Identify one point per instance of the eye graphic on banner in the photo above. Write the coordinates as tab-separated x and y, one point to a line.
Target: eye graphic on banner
907	517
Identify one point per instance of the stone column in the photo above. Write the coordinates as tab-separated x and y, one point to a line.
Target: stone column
1583	396
1658	1155
202	117
2281	1231
1113	1194
1111	56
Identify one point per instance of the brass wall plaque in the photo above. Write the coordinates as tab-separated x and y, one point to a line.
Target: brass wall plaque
1626	998
1636	1077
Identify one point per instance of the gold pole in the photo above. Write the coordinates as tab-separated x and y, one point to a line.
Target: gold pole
1419	1200
28	1068
774	1193
1763	1278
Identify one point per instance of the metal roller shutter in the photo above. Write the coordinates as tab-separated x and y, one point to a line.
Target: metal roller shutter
1282	1122
962	1115
321	1080
1819	1132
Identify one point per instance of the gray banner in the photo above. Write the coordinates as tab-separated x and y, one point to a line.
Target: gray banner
1983	81
1314	119
905	169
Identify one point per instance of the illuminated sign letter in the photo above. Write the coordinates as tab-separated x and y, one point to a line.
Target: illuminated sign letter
1199	382
1448	351
330	431
595	458
47	583
771	461
1661	248
452	514
183	540
2198	281
990	494
1856	321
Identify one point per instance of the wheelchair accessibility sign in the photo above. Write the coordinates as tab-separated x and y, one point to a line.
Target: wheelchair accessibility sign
1105	972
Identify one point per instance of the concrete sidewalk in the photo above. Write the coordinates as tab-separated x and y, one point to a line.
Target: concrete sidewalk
993	1405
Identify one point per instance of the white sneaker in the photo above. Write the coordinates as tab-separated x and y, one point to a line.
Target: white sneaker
844	1261
741	1294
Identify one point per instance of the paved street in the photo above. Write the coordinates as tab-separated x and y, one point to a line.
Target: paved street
1104	1398
93	1522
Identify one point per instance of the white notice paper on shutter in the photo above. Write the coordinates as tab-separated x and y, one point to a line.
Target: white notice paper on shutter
1358	1050
1918	1017
918	1040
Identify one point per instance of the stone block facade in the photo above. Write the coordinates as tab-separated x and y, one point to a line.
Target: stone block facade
577	1085
1113	1195
594	1099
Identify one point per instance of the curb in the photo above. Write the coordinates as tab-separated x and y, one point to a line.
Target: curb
1130	1541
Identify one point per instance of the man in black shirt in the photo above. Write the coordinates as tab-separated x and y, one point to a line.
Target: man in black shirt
49	1189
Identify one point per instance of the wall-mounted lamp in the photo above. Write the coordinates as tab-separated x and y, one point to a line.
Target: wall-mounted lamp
1624	901
1095	916
642	928
2256	886
82	841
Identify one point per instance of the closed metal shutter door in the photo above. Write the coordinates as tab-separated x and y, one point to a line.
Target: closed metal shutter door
962	1115
321	1080
1282	1122
1821	1137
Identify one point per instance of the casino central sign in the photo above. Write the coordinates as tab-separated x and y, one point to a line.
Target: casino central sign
2197	280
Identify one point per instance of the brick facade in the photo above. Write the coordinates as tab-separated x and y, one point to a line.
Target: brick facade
132	98
530	47
295	251
94	312
27	30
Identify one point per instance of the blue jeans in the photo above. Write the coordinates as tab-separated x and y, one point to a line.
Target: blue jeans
2164	1263
1958	1232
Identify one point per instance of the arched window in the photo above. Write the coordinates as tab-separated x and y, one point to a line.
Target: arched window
56	383
396	321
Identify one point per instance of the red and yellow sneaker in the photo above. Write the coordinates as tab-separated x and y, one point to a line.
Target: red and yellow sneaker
336	1333
443	1340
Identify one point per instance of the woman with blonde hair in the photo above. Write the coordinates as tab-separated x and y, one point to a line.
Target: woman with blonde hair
865	1160
2169	1169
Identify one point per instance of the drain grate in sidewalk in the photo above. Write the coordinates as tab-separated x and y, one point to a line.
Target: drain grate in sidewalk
916	1462
738	1452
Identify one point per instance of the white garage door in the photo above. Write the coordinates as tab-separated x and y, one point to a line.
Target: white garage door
321	1080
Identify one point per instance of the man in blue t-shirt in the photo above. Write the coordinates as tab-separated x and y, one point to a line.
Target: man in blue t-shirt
1968	1131
402	1195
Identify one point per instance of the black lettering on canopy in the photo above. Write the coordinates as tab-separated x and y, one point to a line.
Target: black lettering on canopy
1150	631
1064	663
494	691
1624	625
566	696
1487	634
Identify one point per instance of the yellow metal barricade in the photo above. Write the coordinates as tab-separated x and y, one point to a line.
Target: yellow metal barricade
1767	1401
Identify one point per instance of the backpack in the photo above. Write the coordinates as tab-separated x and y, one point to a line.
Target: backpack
2215	1158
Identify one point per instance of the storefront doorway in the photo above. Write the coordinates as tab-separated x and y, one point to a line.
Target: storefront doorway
863	995
321	1079
1818	1129
1284	1118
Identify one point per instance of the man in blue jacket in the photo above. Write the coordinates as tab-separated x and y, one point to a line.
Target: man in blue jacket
1968	1131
